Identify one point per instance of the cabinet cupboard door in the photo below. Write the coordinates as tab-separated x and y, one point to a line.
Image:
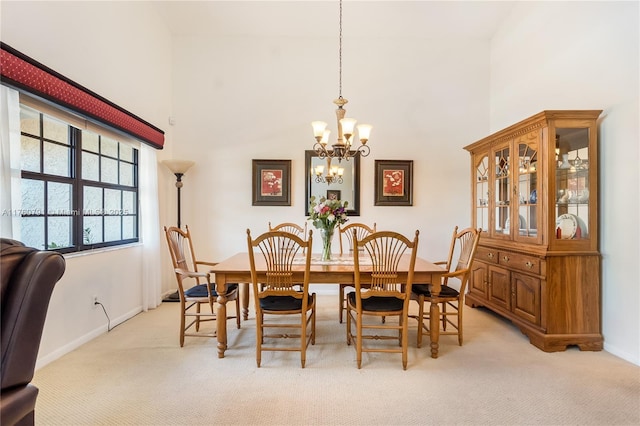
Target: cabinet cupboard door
478	279
526	297
499	288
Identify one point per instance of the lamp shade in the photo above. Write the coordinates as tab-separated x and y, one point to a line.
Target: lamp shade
178	166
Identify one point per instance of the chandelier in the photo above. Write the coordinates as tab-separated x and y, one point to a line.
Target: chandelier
343	147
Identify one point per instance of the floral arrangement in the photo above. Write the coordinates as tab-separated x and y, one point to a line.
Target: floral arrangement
327	214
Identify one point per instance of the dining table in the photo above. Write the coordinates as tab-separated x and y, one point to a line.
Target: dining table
338	270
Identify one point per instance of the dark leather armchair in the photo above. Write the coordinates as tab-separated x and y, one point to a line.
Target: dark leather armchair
27	278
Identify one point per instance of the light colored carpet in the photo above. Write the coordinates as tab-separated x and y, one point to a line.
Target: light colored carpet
137	374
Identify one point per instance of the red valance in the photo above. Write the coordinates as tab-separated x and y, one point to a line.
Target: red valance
26	74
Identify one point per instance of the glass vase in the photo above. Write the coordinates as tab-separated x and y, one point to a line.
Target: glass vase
327	236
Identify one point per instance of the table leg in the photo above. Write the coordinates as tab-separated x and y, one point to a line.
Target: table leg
244	287
434	324
221	314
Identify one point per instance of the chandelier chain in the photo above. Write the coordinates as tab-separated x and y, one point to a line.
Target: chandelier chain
340	53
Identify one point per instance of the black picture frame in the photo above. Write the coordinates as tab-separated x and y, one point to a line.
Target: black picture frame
271	182
393	183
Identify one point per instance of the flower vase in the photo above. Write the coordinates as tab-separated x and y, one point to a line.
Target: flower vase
327	236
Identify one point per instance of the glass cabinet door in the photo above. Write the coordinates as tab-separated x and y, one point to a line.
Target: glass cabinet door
482	193
501	192
527	187
572	194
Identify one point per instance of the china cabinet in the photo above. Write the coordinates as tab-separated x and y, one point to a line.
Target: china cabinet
534	192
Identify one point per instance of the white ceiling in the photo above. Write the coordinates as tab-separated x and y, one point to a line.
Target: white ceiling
319	18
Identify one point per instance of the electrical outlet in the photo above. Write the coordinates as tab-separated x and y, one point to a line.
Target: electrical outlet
94	301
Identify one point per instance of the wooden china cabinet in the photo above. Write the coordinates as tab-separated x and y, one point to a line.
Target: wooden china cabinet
535	196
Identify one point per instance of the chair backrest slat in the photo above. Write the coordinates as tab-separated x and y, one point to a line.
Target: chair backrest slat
385	250
279	250
347	231
464	243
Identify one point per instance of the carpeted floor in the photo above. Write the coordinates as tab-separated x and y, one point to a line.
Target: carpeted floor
137	374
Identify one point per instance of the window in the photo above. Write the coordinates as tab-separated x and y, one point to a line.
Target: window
79	187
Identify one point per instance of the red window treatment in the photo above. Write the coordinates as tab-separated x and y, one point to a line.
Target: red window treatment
24	73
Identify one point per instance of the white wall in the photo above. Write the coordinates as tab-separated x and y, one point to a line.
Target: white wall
243	98
584	55
121	51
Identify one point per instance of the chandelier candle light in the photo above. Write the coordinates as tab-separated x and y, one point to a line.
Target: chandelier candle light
343	147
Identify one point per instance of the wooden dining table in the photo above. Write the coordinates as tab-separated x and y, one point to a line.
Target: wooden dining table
340	270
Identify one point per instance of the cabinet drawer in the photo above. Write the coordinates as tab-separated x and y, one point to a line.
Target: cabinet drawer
486	254
521	262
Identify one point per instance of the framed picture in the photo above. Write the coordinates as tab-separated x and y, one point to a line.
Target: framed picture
271	183
394	183
333	194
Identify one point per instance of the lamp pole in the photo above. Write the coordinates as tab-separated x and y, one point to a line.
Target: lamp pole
179	186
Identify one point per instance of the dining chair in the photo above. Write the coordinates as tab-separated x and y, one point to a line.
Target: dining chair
346	246
195	287
463	246
387	294
276	294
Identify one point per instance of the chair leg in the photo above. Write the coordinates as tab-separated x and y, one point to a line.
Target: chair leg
258	338
460	322
198	317
182	322
303	339
348	328
238	311
341	301
313	322
420	319
443	312
359	340
405	342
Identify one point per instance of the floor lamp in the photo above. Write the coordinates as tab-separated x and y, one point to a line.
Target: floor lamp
178	168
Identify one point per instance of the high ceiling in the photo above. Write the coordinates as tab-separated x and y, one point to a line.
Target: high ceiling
307	18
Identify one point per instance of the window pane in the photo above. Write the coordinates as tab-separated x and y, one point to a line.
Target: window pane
59	231
30	154
128	227
32	232
57	159
126	152
59	197
29	121
55	130
90	169
32	196
109	147
92	230
128	202
90	141
112	228
109	170
112	201
92	200
126	174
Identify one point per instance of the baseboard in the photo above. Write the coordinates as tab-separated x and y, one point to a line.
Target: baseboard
58	353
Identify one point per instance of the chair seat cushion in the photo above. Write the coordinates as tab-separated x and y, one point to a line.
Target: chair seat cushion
283	303
425	290
378	303
201	290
